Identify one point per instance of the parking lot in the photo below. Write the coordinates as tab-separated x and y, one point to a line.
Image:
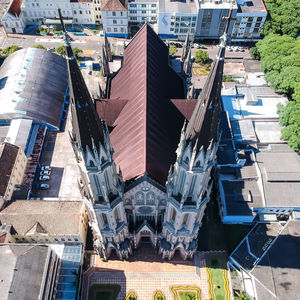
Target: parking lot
58	153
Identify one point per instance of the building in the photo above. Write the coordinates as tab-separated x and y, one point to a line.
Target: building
28	271
211	23
115	17
267	260
177	19
250	18
141	11
97	12
83	12
13	20
46	221
12	167
135	187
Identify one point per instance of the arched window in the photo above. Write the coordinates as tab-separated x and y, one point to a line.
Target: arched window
104	218
186	160
198	164
150	198
140	198
92	163
185	219
173	214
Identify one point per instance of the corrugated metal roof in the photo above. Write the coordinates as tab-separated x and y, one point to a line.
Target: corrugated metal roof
146	132
33	85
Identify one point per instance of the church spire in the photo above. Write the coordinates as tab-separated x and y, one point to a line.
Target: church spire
203	125
88	129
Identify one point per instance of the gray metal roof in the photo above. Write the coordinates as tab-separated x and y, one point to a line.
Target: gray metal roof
252	6
22	269
280	169
32	85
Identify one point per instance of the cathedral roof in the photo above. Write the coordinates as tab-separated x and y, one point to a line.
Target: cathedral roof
146	132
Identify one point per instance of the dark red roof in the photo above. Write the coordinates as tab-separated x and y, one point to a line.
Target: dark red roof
8	156
147	131
15	7
185	106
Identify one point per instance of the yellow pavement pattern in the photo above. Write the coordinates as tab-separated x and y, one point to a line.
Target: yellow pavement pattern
226	284
211	287
130	295
160	294
186	288
88	52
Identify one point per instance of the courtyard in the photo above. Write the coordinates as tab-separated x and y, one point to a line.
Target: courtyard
146	276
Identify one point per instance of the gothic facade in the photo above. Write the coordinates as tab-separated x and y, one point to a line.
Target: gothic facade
136	185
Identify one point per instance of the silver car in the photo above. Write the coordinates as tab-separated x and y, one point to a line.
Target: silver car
44	177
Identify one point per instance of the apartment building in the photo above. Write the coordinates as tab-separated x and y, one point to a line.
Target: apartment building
115	17
176	19
141	11
97	11
12	166
211	23
250	18
83	12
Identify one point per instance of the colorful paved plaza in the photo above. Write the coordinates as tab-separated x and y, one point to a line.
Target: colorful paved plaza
146	273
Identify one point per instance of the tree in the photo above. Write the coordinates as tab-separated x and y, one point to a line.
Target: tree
254	52
172	50
283	17
201	57
61	50
77	51
11	49
39	46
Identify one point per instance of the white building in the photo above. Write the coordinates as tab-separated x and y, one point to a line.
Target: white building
115	18
83	12
97	11
140	11
13	19
249	21
177	19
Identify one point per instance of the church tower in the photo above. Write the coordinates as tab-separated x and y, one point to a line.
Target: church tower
189	181
101	184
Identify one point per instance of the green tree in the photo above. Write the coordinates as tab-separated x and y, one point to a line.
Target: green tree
201	57
39	46
283	17
254	52
77	51
61	50
11	49
172	50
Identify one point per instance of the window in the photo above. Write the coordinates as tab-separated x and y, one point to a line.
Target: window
144	11
185	219
115	29
80	12
134	11
104	218
153	11
114	22
114	13
153	5
174	215
144	5
92	163
259	19
117	217
133	18
122	29
132	5
139	198
108	29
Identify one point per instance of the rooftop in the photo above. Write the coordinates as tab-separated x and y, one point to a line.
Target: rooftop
22	271
252	6
180	6
114	5
15	7
23	92
280	169
49	217
223	4
8	156
143	114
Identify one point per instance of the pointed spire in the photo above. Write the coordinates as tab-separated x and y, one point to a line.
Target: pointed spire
203	124
105	65
185	48
88	129
107	47
187	67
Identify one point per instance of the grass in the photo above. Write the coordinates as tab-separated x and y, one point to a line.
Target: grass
217	274
187	296
202	70
104	292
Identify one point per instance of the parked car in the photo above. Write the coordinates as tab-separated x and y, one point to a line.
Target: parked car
196	46
241	49
51	49
46	172
46	168
43	186
44	177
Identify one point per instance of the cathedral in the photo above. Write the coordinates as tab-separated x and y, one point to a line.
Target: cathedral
145	150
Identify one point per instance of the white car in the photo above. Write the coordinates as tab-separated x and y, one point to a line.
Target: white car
47	172
196	46
43	186
44	177
45	168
